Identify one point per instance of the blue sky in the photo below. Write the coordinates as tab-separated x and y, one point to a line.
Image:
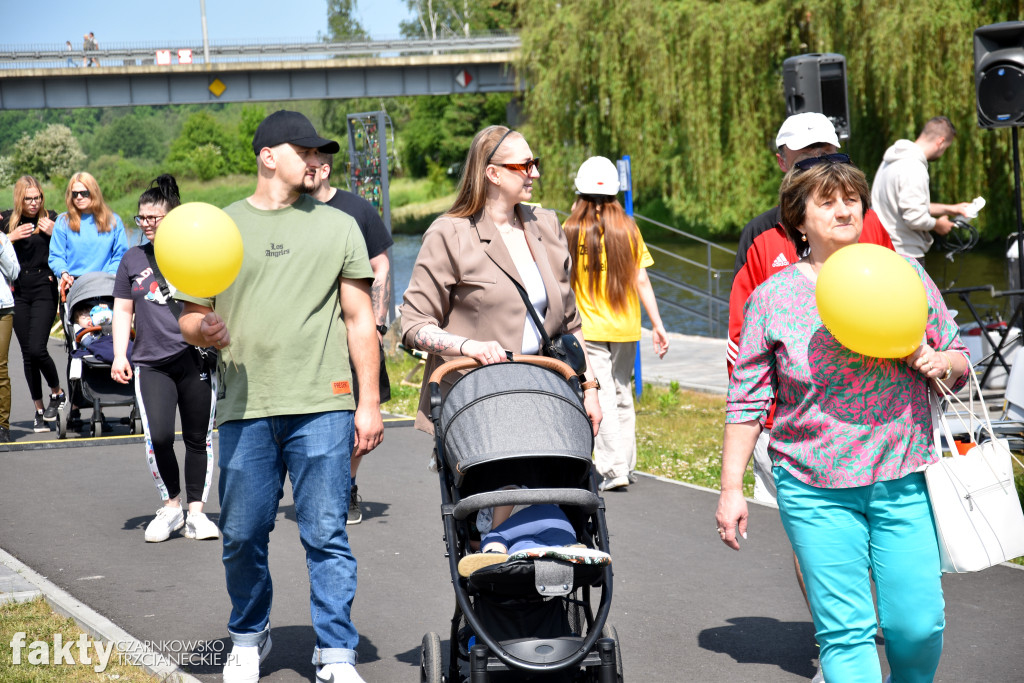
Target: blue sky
51	22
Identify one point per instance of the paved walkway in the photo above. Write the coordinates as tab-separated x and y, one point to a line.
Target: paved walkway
686	608
696	363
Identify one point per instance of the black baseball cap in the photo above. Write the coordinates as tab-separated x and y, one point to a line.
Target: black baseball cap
290	126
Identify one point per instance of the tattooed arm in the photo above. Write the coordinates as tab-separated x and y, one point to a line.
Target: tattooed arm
433	339
428	299
380	290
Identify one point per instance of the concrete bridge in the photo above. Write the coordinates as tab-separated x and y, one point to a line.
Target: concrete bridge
185	74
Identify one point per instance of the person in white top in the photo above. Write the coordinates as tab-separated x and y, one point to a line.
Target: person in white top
900	193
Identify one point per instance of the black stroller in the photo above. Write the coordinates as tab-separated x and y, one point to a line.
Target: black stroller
89	380
520	423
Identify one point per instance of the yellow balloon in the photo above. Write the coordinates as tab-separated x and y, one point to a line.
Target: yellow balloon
872	301
199	249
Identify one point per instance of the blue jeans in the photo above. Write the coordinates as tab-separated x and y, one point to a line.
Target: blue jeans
315	450
839	535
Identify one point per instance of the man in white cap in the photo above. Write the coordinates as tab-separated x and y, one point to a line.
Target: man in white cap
764	250
900	191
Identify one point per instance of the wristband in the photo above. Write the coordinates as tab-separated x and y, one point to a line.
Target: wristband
463	344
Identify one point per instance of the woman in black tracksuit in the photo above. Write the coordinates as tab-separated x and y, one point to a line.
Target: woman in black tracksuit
168	375
29	226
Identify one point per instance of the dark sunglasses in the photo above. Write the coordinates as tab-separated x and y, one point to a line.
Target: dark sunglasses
525	167
811	162
75	194
37	198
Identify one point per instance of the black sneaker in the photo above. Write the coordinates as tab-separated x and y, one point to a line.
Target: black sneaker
39	424
355	515
50	414
5	435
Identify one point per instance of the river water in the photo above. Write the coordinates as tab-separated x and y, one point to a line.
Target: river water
978	267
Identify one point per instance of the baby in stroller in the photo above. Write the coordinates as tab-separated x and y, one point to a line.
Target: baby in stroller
86	315
90	322
513	532
524	604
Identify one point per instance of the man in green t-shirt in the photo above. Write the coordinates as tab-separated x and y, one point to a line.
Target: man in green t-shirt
285	328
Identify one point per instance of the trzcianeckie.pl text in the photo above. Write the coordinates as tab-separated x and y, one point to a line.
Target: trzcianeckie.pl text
86	651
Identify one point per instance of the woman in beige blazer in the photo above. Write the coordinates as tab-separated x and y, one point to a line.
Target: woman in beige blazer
461	300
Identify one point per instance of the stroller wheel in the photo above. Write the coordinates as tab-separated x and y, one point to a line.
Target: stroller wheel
608	631
62	426
430	659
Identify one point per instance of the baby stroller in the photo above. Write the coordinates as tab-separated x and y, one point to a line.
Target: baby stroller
89	381
520	423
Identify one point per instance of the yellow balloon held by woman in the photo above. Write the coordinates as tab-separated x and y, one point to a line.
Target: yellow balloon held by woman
872	301
199	249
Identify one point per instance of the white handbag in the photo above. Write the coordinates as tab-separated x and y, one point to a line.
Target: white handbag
977	512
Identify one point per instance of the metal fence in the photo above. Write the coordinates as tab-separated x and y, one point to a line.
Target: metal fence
697	289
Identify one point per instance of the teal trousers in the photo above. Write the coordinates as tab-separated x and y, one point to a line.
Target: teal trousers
844	538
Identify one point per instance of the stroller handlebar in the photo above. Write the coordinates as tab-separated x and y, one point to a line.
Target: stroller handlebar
465	363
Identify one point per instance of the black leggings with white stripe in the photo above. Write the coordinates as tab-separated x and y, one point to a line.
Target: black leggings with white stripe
178	383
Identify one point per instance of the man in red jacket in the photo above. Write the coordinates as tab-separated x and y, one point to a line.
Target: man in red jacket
764	250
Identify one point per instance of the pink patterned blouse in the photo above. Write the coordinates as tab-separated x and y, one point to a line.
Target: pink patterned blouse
843	419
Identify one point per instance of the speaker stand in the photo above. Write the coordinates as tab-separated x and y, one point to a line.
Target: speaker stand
1018	210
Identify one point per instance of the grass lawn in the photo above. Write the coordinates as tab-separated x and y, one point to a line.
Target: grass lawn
40	623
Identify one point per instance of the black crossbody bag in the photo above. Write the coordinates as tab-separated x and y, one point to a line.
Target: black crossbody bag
208	355
563	347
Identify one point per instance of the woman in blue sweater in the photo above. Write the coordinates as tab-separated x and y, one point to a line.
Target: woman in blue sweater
89	237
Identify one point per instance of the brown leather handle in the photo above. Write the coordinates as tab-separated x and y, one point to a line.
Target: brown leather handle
86	330
466	363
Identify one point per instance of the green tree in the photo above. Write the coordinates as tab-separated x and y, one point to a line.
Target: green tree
133	135
440	129
342	23
199	151
53	152
693	92
447	18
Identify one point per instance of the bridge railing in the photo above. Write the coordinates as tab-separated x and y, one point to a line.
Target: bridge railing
54	56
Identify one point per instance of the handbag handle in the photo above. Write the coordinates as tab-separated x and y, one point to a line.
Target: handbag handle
986	421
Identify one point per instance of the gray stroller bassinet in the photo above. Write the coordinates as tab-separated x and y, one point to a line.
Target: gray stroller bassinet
520	424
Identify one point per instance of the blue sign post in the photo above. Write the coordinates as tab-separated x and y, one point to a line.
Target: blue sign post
626	185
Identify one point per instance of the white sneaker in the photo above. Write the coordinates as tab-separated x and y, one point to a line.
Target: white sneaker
243	662
614	483
200	527
168	519
338	673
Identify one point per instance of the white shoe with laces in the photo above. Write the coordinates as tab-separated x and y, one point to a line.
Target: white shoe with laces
338	673
243	662
168	519
200	527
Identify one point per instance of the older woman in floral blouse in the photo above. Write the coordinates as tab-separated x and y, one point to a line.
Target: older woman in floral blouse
850	436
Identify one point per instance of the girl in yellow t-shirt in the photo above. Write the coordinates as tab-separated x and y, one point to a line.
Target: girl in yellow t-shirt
610	281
